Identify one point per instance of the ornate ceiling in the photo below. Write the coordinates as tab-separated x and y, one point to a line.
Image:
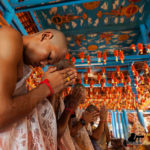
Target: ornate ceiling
99	25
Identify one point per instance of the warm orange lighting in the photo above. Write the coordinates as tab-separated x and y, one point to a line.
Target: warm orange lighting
82	56
116	55
121	56
67	56
73	60
142	79
146	68
122	77
118	70
99	56
103	72
140	48
88	59
133	69
104	57
148	48
99	78
133	47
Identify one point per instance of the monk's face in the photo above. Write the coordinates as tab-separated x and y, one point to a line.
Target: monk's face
46	53
41	51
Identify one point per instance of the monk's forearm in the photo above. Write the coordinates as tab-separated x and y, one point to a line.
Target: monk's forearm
16	108
98	131
62	123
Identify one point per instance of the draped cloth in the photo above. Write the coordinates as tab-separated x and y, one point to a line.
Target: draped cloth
37	131
82	138
65	142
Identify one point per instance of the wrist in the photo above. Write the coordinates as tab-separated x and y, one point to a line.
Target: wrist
46	90
47	84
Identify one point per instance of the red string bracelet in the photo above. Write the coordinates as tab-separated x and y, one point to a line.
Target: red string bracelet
47	83
70	110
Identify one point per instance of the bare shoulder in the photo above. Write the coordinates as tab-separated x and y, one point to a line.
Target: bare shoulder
11	43
10	33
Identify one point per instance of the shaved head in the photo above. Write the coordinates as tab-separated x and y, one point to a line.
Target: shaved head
57	36
45	47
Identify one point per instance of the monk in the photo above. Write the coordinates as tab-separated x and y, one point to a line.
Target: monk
100	135
27	119
64	106
78	125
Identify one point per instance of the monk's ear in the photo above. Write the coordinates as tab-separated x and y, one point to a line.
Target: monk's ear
46	35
